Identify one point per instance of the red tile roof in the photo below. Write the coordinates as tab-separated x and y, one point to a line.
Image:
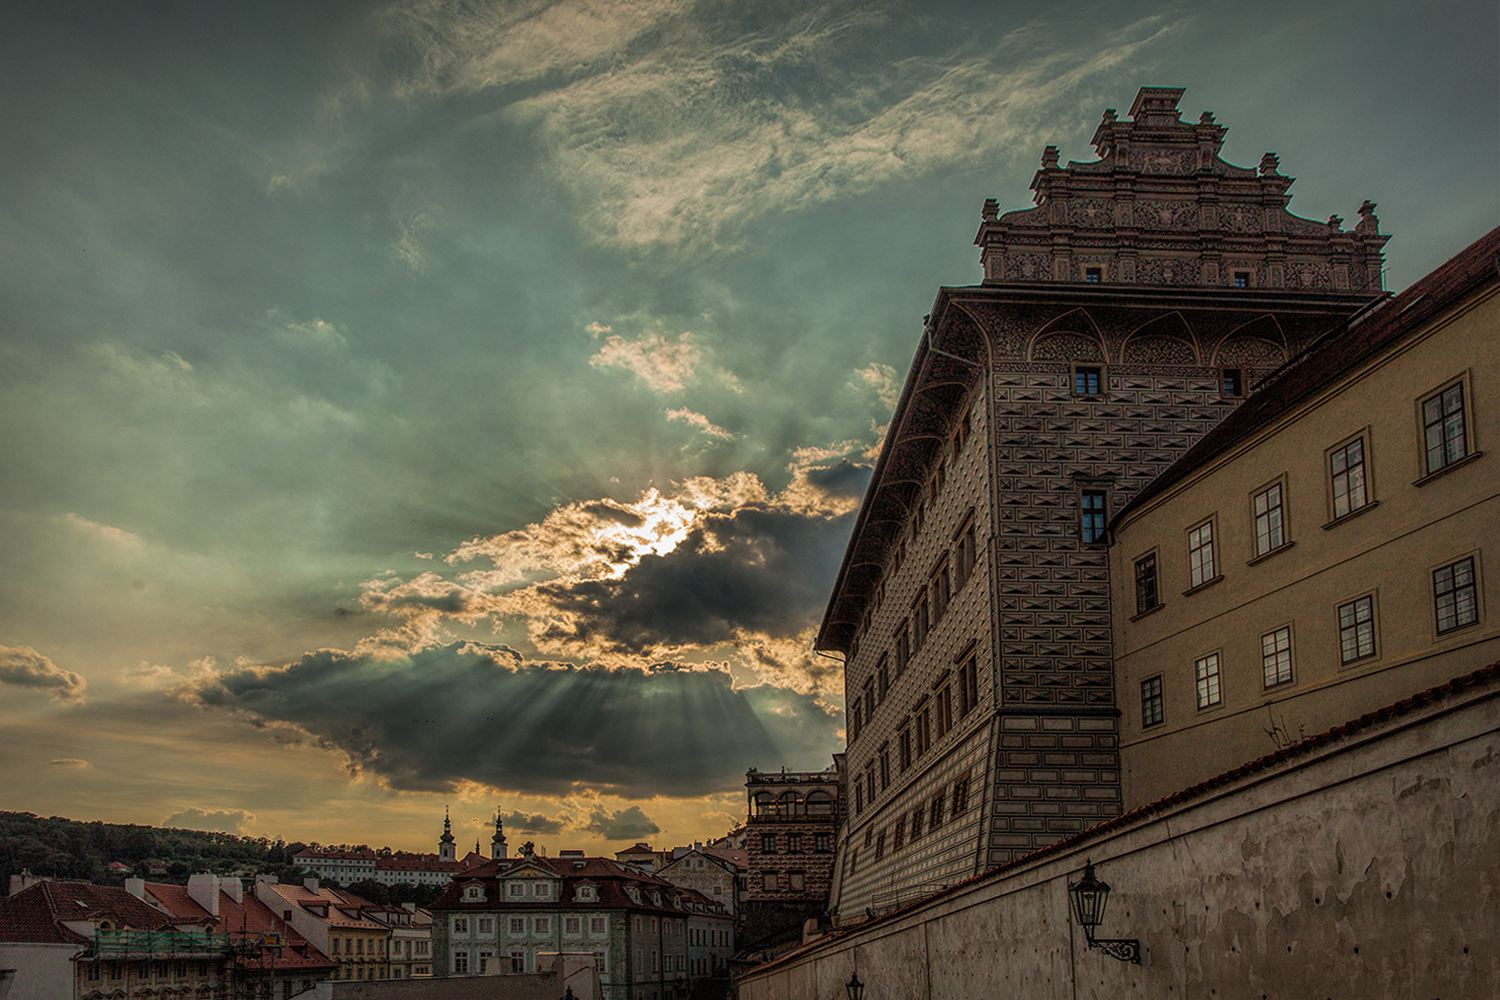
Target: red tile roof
37	913
245	922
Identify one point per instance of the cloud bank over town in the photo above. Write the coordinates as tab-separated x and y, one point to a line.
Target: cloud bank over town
418	403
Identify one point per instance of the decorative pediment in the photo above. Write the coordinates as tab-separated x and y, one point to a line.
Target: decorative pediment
1160	207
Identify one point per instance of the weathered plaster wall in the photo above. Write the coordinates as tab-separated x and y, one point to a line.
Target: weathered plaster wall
42	971
1369	868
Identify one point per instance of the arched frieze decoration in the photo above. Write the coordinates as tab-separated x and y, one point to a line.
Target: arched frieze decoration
1166	340
963	336
1260	343
1249	352
1067	347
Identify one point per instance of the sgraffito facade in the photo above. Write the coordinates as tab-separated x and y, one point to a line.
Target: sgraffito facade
973	606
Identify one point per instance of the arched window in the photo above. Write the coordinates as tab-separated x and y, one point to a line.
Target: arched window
792	804
820	804
765	804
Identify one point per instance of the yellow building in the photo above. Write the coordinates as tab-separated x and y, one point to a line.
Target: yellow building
1327	549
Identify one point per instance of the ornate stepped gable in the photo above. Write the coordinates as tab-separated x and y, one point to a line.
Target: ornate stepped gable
1159	207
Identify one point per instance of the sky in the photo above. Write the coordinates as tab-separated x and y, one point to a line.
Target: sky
447	403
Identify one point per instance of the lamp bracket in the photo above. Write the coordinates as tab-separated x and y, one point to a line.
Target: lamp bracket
1124	949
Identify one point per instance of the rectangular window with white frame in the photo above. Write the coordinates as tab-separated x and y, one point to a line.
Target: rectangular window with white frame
1201	554
1349	477
1455	594
1276	656
1357	629
1269	509
1445	438
1152	710
1206	669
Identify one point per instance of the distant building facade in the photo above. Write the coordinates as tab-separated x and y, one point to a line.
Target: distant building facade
339	924
1326	550
790	838
1119	320
652	940
399	868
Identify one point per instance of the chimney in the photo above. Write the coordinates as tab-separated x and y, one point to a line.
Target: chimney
203	889
234	888
24	881
136	887
310	884
409	907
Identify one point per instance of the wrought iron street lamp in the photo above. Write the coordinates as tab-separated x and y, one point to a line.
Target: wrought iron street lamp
855	988
1088	896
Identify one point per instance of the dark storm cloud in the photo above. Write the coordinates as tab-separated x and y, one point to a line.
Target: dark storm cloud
469	712
25	667
521	822
845	479
623	824
758	570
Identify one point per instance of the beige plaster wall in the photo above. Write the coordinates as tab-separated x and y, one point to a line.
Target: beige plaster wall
1389	549
1368	869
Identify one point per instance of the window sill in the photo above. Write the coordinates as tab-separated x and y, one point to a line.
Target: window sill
1351	515
1149	611
1278	550
1203	586
1447	469
1359	662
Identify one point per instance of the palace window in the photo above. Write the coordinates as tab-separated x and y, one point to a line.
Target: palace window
960	796
1270	533
572	925
1088	380
460	926
1146	595
486	926
518	925
935	817
903	650
942	590
968	686
1207	670
880	844
924	727
942	702
1357	629
460	962
1346	466
885	766
1276	656
898	833
903	742
1091	515
1456	595
882	680
1443	427
1201	554
965	554
1151	702
1231	382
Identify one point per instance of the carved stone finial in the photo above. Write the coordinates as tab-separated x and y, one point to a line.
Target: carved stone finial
1207	118
1049	158
1368	223
1269	165
1110	115
1336	223
991	210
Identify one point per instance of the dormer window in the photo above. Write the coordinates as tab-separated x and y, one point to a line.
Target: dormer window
587	894
540	889
516	889
473	894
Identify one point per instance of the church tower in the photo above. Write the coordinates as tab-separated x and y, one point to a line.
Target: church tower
497	843
446	849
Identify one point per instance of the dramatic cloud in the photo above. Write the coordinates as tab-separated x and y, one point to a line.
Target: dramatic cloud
881	378
469	712
69	762
25	667
217	820
663	364
679	123
699	421
521	822
756	570
623	824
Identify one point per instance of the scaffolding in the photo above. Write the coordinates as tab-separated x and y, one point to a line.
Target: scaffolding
132	945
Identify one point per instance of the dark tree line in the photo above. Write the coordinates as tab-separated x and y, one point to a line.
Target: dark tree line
68	849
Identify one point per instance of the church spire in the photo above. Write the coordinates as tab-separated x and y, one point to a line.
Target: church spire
497	843
446	851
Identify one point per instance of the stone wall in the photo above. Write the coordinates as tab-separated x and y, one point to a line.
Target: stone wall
1362	863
